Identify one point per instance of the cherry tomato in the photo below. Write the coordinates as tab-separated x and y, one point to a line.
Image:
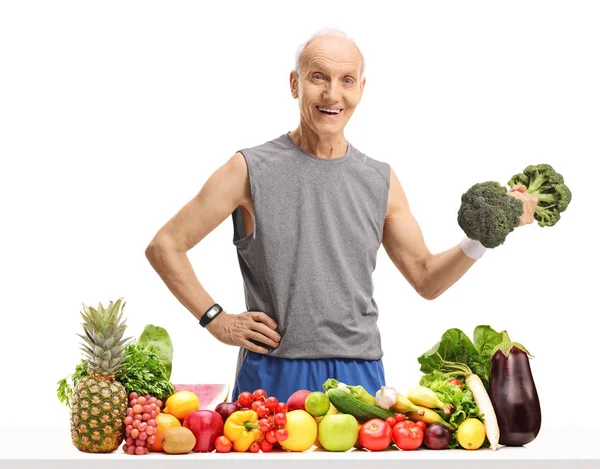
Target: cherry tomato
422	425
281	434
264	425
245	399
256	405
375	435
262	412
223	444
265	446
259	394
455	382
280	420
407	435
270	437
400	417
254	447
391	421
281	408
271	403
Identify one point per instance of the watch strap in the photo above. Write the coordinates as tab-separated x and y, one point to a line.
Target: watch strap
210	314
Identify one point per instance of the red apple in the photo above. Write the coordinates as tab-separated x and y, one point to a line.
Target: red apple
207	426
297	400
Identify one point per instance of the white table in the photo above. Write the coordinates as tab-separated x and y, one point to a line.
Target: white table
553	448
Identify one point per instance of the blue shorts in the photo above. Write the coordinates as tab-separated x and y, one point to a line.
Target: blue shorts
280	377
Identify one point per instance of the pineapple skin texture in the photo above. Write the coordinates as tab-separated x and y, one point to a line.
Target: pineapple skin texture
97	412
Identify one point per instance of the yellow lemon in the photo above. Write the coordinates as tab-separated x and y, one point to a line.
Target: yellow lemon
181	403
302	431
471	434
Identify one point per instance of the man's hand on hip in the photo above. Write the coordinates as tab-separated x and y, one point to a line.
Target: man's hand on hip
241	329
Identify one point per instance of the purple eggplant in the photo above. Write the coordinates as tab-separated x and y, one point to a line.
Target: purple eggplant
513	394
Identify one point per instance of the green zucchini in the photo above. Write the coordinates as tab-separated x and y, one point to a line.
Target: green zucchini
346	404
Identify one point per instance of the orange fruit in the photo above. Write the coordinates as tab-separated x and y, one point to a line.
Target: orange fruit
163	422
181	403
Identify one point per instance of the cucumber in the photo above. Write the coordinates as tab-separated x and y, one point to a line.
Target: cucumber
346	404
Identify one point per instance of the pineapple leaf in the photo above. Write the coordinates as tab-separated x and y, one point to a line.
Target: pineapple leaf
106	356
87	351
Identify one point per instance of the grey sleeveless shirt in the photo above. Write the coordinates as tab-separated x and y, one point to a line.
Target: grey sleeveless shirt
318	224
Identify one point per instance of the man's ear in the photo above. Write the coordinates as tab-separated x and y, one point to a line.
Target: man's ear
362	86
294	84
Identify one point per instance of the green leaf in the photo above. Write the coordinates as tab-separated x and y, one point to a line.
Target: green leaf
454	347
485	339
158	338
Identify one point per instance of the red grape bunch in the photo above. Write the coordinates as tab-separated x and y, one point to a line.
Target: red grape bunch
140	426
271	415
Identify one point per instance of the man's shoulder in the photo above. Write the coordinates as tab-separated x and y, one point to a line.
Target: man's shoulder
264	151
382	167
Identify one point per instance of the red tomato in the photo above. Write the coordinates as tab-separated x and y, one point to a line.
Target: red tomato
265	446
281	408
281	434
262	411
259	394
422	425
400	418
245	399
271	403
405	424
391	421
256	405
375	435
222	444
254	447
270	436
280	419
455	382
407	435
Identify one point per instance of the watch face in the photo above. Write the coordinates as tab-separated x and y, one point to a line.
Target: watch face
212	312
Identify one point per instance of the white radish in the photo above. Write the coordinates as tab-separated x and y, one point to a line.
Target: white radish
490	422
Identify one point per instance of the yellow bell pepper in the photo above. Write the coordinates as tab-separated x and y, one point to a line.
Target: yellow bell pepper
242	429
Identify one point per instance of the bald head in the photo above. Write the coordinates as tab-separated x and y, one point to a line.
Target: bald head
331	44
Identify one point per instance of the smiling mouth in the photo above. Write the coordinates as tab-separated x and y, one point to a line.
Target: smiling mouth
329	111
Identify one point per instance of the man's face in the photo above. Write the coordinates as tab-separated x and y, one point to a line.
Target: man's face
329	74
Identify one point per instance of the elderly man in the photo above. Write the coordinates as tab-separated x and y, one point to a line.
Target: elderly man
309	213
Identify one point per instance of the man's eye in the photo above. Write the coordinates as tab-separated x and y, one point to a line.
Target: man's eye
317	76
349	80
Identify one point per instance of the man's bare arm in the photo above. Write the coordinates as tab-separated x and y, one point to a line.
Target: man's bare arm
225	190
429	274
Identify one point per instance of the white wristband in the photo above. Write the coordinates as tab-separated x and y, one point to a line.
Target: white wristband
472	248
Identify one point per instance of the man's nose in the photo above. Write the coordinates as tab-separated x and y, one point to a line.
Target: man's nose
332	92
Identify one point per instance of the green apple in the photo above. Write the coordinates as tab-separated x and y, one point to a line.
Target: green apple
338	432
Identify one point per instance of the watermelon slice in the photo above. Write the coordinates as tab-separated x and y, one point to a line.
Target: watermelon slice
210	395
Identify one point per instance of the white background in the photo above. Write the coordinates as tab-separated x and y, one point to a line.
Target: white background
114	114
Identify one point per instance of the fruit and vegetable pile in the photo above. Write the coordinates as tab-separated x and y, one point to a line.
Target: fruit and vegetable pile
473	394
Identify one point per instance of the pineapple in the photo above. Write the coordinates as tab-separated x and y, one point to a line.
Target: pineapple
99	402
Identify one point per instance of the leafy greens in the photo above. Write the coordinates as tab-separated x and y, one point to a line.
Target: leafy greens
146	367
461	398
456	347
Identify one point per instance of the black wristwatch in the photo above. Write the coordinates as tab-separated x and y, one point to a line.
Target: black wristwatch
210	314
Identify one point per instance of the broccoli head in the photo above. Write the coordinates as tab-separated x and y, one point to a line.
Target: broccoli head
488	214
549	187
